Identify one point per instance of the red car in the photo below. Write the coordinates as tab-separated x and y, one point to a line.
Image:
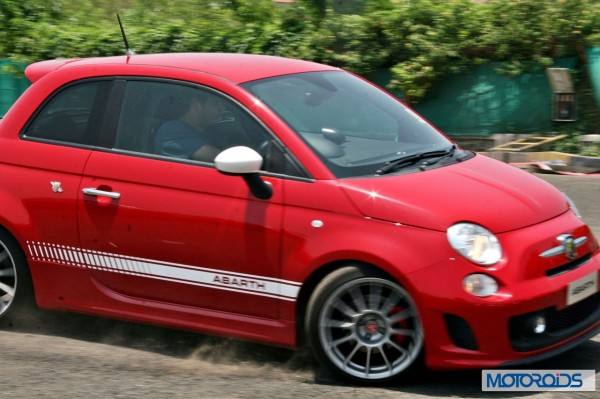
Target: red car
285	202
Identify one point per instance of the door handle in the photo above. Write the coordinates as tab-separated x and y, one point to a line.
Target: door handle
101	193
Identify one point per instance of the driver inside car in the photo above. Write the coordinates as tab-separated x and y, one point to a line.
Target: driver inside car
187	136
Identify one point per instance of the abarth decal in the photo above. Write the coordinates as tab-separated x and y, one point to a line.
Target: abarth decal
159	270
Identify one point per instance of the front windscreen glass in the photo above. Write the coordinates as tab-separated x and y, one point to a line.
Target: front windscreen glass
354	127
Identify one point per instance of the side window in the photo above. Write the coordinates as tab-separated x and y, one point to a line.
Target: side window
187	122
72	115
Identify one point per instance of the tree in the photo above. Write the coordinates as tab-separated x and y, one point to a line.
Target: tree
422	41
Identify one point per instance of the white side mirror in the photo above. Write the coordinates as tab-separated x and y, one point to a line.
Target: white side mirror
246	162
239	160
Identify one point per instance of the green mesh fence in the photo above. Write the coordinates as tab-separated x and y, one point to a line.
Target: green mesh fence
593	60
12	85
482	101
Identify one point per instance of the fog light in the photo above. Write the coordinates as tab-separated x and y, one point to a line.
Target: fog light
538	324
480	285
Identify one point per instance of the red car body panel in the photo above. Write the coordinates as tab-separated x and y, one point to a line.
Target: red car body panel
237	68
189	247
500	199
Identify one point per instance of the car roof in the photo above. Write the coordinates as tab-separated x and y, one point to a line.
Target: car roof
238	68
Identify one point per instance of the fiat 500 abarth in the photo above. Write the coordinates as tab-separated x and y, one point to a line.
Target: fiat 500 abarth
285	202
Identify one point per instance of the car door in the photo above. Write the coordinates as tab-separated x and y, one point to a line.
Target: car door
175	231
47	166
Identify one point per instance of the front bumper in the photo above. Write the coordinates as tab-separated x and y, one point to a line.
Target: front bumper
463	331
556	351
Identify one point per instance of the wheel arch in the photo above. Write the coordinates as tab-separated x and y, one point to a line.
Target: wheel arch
18	242
14	216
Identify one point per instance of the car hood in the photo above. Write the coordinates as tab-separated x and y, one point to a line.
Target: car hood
481	190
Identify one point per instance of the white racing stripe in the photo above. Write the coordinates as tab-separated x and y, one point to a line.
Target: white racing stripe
159	270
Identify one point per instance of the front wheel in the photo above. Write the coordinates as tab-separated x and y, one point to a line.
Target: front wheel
364	327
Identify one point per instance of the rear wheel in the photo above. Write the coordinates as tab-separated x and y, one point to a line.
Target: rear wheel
16	290
364	326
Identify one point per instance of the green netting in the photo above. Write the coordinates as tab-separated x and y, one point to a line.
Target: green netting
479	102
11	86
482	101
593	60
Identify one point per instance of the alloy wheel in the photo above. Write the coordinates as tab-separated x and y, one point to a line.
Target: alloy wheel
369	329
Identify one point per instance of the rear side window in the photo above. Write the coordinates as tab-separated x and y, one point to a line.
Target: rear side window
72	115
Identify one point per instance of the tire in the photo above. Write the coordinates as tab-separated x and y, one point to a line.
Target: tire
364	327
16	288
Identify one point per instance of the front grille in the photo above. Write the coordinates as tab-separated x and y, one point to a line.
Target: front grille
560	324
571	316
569	266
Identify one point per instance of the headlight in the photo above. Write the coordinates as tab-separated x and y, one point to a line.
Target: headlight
475	243
572	206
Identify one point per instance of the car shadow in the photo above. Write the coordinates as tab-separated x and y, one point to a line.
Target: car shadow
226	351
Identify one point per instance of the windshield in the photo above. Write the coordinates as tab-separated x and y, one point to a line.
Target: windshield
353	126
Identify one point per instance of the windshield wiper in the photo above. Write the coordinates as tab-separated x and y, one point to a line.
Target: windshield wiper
411	159
450	153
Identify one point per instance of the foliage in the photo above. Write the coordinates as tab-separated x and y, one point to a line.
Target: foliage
443	37
422	41
434	38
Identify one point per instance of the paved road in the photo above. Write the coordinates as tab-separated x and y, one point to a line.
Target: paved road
585	192
73	356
